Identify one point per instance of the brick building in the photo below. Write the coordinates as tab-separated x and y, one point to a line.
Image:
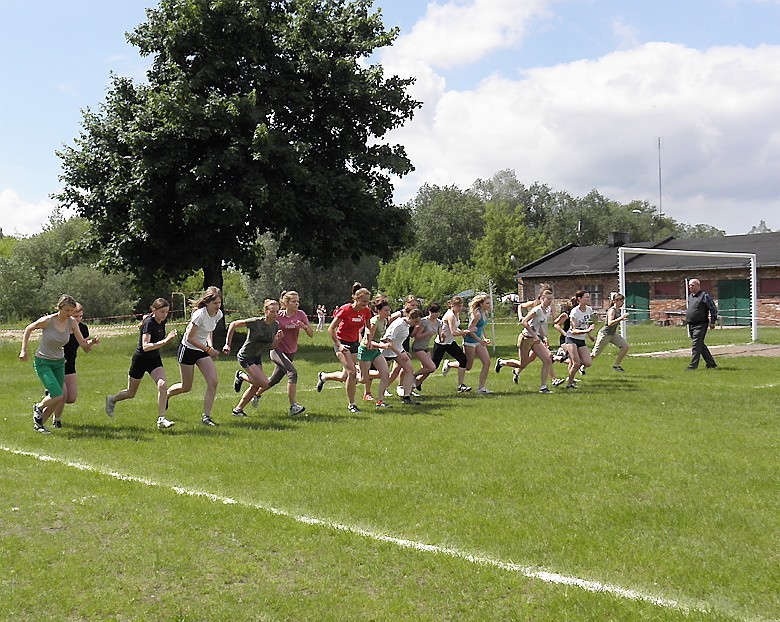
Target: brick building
656	284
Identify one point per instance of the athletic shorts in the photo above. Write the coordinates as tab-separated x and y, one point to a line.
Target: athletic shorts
190	356
580	343
416	350
368	354
70	366
143	364
352	345
52	374
602	339
252	360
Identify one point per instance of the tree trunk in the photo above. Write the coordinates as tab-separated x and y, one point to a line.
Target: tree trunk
212	275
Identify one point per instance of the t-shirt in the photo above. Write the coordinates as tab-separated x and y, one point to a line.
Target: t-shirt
396	334
352	322
203	324
579	320
381	326
260	334
538	322
289	343
429	326
71	348
156	333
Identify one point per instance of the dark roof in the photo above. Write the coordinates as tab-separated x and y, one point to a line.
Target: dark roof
572	259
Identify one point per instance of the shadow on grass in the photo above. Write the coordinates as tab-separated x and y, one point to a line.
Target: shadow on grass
114	432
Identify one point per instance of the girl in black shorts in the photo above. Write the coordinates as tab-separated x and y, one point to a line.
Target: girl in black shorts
147	360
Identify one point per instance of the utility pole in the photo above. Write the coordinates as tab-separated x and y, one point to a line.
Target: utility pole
660	199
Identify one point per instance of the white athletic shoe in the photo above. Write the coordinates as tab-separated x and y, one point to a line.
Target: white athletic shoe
110	405
164	424
296	409
445	367
484	391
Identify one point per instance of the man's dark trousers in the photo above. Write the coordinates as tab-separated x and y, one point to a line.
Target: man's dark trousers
697	333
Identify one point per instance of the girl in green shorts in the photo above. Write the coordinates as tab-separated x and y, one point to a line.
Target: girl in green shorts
370	351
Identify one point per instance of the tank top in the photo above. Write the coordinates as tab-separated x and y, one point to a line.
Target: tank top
480	330
53	340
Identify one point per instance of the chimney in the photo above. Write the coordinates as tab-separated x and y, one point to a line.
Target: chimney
618	238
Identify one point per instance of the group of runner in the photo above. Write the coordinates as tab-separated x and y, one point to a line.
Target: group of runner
367	338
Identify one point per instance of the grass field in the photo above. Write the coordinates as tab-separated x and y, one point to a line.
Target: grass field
660	487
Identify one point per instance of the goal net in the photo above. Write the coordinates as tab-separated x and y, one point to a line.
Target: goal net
628	250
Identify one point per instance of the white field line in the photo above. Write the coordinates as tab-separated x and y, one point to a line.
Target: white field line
527	571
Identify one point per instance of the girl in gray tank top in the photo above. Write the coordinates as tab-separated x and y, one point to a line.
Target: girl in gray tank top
49	363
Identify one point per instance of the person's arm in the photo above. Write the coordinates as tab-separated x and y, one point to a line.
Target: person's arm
277	338
231	330
559	322
713	310
147	345
306	326
41	322
526	321
74	328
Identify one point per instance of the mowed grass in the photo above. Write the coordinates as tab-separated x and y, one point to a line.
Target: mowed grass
655	480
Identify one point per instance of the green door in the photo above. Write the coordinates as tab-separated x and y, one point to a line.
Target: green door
734	302
638	302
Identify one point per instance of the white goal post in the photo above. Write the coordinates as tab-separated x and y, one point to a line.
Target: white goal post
623	250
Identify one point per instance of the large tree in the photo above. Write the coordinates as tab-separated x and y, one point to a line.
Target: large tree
259	116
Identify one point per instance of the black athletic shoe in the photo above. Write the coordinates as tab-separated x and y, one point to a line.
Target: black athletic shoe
38	426
618	368
408	401
206	420
320	382
515	375
57	423
238	382
498	365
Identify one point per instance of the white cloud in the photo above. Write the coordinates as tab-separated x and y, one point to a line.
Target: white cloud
460	31
594	124
20	217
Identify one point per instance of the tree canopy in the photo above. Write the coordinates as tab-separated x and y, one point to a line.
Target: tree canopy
259	116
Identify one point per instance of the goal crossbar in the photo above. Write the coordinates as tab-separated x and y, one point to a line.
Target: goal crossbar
624	250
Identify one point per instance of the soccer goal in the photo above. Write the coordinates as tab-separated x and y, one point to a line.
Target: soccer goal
628	250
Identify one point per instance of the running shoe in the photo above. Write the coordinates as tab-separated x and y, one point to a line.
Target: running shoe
462	388
380	405
164	424
408	401
445	367
582	370
238	412
558	381
320	381
544	390
255	401
57	423
110	405
515	376
484	391
368	397
618	368
237	382
296	409
39	427
353	408
498	365
206	420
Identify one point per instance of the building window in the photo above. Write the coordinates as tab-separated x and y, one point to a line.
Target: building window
594	289
769	287
667	289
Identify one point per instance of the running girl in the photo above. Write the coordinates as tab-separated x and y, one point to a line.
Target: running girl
370	351
580	327
430	326
608	332
475	343
533	341
49	361
395	336
197	349
147	360
344	330
445	343
291	320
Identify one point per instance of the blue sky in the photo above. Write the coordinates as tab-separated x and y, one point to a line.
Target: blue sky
572	93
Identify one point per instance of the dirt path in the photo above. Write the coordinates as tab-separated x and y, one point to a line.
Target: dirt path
744	349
